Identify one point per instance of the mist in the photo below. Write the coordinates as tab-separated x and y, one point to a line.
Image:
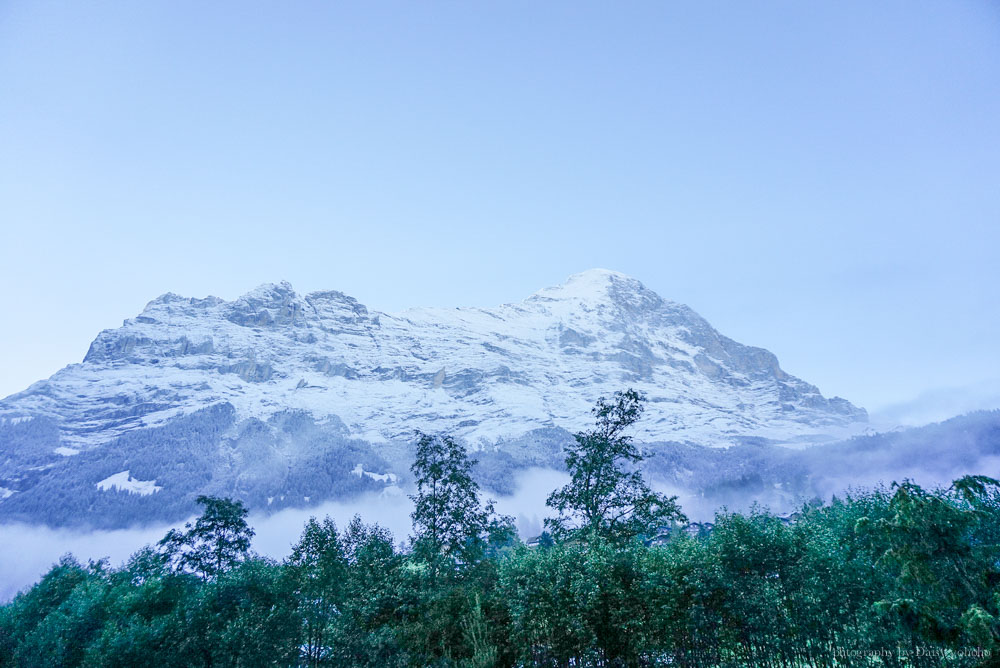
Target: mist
29	551
939	404
705	480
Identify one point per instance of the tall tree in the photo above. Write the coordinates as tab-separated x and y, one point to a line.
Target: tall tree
448	518
607	496
443	620
217	541
317	569
364	634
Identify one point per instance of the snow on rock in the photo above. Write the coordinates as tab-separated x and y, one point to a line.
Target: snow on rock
484	375
381	477
259	389
124	482
14	419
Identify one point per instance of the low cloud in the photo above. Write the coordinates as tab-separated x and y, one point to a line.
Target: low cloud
31	550
775	477
938	405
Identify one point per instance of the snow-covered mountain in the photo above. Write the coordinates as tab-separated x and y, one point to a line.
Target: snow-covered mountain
249	396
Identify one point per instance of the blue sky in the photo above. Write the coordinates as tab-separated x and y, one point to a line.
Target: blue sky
821	179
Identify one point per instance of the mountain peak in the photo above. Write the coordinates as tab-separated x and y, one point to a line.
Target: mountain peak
602	288
599	273
271	292
591	285
276	396
267	304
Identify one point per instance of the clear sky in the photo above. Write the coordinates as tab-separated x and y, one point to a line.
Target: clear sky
821	179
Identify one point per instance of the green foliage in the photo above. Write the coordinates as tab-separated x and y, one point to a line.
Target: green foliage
218	540
74	607
22	617
365	632
892	577
579	604
317	572
448	611
449	520
243	617
604	498
942	557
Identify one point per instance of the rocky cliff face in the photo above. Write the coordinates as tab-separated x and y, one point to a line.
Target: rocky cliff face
494	377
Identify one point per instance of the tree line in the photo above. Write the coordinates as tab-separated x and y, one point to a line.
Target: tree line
897	576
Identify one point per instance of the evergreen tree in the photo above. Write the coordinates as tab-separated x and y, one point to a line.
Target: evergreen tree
604	499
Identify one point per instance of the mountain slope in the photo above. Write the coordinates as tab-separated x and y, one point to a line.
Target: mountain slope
275	382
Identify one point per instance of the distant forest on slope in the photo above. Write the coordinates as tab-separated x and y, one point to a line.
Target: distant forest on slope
290	461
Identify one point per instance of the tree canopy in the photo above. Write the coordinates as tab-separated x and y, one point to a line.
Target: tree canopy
607	497
217	540
449	518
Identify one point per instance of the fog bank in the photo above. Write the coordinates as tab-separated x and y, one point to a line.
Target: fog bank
28	551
